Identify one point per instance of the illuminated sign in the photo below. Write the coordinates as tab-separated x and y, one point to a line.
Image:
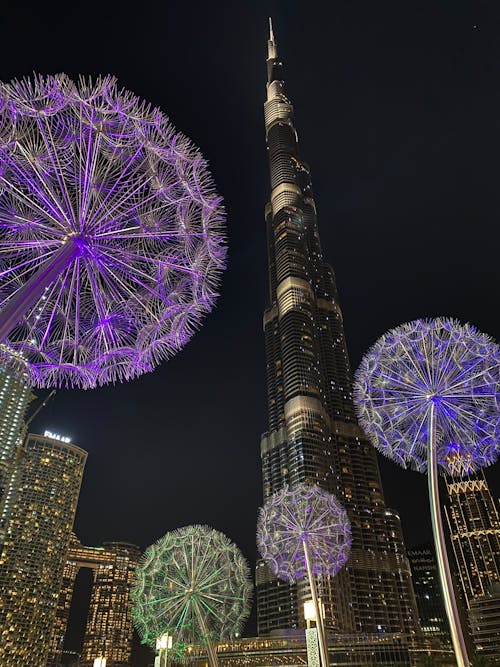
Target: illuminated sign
56	436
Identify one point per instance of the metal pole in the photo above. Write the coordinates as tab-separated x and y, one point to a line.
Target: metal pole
212	655
450	602
34	288
323	646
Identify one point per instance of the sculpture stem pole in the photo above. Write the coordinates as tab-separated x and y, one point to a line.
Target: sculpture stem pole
323	646
33	289
164	657
440	545
212	655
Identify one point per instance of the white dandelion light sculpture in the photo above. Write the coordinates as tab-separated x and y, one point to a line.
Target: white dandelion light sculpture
112	236
428	396
194	585
302	532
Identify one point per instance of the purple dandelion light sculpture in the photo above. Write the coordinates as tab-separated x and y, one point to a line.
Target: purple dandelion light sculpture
302	532
194	586
112	235
428	396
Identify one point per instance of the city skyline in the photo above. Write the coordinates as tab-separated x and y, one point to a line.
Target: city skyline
413	162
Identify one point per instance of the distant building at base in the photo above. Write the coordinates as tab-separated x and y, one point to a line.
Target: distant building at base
428	593
484	618
394	650
474	525
109	628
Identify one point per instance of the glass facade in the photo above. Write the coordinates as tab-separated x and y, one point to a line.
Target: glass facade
312	432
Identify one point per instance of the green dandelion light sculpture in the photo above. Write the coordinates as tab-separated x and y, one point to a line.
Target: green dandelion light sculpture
194	585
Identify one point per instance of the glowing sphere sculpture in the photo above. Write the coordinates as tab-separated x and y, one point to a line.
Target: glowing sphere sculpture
428	395
304	531
112	235
442	365
194	585
304	513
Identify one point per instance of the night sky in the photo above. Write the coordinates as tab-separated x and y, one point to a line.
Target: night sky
398	112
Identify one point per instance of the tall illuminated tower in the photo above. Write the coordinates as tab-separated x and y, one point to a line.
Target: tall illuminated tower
47	484
312	432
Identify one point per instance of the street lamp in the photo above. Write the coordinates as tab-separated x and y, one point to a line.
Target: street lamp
163	644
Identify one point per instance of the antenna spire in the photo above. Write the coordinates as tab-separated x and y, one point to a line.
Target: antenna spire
271	33
271	44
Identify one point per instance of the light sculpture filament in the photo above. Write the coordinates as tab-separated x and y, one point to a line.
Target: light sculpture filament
304	532
112	236
428	396
194	585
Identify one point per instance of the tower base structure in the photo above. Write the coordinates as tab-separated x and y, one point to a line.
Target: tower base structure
290	649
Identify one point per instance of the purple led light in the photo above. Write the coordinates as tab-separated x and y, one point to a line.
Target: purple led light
112	235
303	513
442	363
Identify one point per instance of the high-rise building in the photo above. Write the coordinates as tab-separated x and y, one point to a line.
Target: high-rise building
47	485
428	593
109	629
15	395
484	618
312	433
474	526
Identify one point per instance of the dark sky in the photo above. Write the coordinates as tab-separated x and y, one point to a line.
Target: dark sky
398	111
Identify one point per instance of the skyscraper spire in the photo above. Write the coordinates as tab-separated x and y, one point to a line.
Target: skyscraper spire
272	51
312	432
